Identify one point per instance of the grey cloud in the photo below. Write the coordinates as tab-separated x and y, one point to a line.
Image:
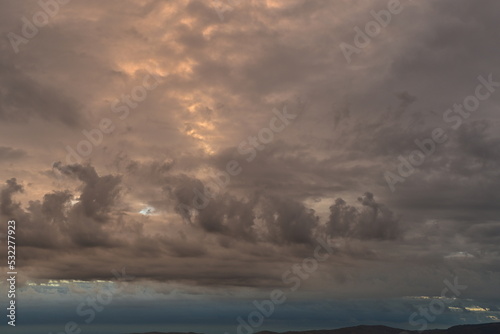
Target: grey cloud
221	81
289	221
99	193
7	205
54	205
373	221
23	98
9	153
478	140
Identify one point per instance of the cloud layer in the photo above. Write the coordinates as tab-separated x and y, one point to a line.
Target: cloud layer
187	94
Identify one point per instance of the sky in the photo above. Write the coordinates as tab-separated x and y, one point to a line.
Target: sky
236	165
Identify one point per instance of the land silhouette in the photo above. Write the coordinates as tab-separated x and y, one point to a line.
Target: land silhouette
490	328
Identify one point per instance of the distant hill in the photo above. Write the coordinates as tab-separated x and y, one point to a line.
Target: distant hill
493	328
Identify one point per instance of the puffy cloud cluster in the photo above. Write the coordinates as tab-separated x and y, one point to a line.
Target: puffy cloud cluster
373	221
92	219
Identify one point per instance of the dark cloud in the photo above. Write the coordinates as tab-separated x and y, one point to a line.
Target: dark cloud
9	153
289	221
372	221
55	204
98	194
8	206
131	199
23	98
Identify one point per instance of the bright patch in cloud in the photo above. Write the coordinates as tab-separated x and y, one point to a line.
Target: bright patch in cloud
147	211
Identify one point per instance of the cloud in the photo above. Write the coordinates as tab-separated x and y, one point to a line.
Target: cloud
98	193
289	221
23	98
9	153
220	82
372	221
8	206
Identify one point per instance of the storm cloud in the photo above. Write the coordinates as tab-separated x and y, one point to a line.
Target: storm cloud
158	192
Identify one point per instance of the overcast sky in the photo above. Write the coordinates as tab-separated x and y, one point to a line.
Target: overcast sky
207	147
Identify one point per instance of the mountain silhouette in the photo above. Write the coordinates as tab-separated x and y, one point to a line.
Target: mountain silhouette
491	328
